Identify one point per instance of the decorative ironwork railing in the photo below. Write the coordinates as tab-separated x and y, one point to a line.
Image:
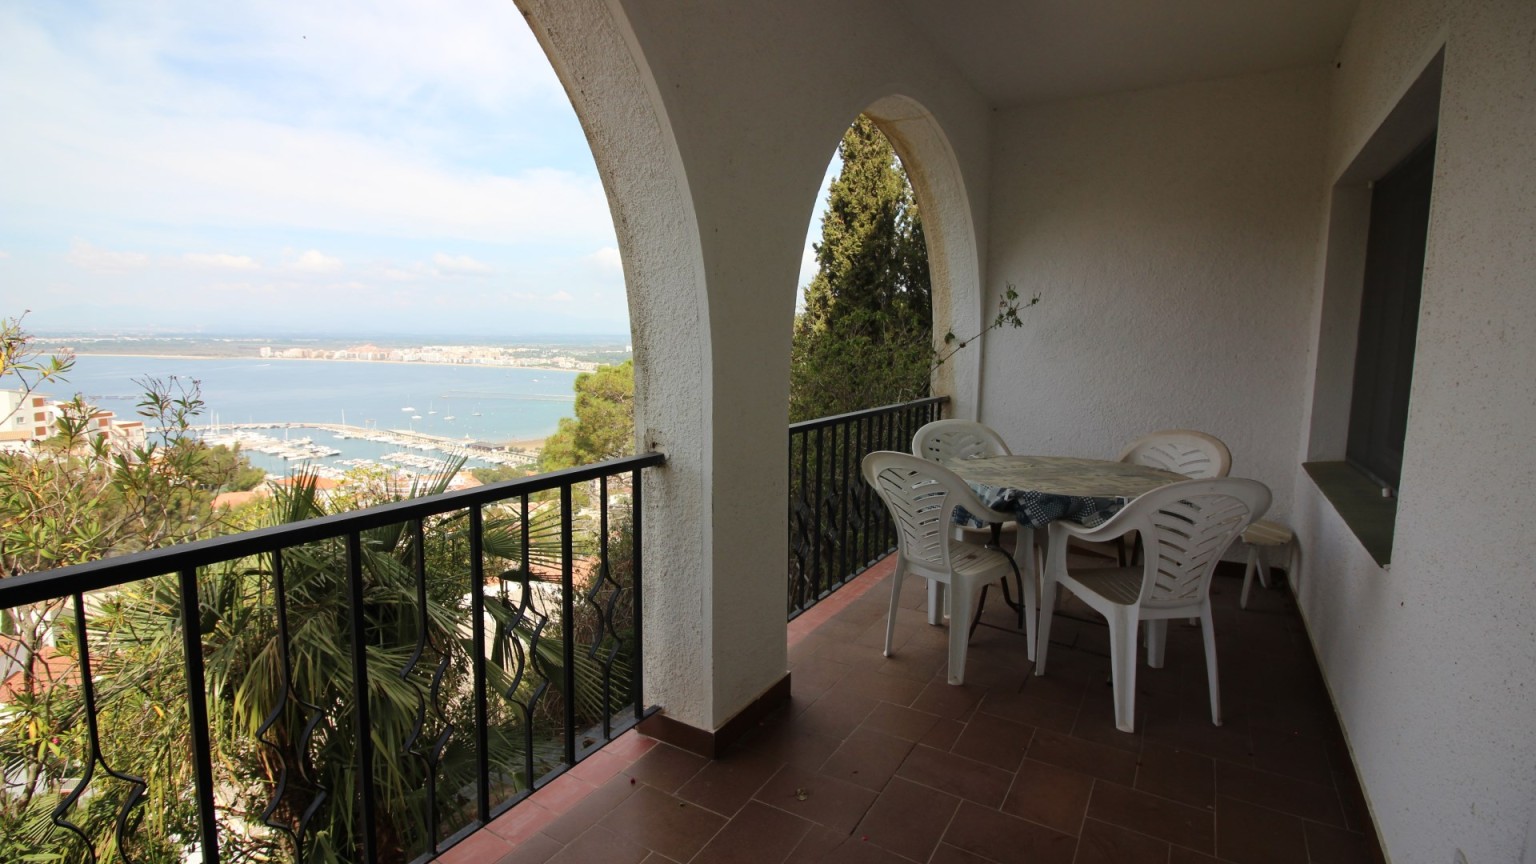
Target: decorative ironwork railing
368	686
837	525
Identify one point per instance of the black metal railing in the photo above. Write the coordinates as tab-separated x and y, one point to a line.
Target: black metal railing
368	686
837	525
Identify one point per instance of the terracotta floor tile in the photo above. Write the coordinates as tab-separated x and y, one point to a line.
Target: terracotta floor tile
994	740
666	767
1291	755
1154	816
758	835
1249	834
880	761
1357	815
599	767
533	850
570	825
1096	760
1031	711
1052	796
825	800
1314	801
943	735
867	759
525	820
879	680
1171	772
1102	843
817	845
669	825
794	744
1180	855
815	677
725	785
901	722
1329	845
477	848
908	819
600	844
560	794
631	745
1000	837
836	714
966	778
945	700
947	854
856	850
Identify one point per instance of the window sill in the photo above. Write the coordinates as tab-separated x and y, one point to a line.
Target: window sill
1358	501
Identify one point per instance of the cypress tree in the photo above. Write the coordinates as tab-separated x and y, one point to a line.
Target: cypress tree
865	336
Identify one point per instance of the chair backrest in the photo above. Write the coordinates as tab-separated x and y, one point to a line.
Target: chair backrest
922	497
942	440
1182	451
1185	527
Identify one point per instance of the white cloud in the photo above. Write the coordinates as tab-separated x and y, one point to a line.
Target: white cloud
315	261
608	258
459	265
4	254
221	260
561	296
88	257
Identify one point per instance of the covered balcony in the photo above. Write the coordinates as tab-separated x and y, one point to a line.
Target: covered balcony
1189	186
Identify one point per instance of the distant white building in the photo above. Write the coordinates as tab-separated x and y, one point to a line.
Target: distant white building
29	418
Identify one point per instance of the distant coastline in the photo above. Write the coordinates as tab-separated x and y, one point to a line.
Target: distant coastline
533	367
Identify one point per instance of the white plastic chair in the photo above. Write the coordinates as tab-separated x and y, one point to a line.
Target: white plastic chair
1194	454
1185	527
1183	451
922	497
945	440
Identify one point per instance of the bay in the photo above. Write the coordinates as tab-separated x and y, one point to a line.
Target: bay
495	404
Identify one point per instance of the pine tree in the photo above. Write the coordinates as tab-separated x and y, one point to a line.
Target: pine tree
865	337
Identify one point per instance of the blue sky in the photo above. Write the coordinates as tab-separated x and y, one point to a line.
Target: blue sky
367	166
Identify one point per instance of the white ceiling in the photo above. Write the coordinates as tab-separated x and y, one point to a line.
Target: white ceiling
1018	51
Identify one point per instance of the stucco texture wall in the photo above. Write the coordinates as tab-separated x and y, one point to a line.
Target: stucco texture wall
756	97
1171	235
1430	663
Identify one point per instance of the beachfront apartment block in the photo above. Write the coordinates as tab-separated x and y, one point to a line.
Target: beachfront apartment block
28	418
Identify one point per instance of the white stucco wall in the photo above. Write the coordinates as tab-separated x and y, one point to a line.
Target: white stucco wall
1171	235
1430	663
713	125
758	96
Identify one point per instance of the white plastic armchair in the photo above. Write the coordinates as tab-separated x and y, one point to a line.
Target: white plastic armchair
1196	455
1185	528
943	440
922	497
946	440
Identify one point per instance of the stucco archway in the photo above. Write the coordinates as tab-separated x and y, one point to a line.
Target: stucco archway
953	259
613	93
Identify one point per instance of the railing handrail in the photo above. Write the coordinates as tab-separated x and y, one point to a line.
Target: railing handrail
112	572
820	422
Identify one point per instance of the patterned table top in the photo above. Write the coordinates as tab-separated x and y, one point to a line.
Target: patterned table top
1042	489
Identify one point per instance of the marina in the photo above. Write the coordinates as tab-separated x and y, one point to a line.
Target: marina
286	412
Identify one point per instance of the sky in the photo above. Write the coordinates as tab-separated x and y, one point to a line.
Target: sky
348	166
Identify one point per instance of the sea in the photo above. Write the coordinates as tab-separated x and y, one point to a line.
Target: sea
458	403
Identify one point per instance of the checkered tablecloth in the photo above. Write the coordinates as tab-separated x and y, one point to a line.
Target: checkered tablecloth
1039	490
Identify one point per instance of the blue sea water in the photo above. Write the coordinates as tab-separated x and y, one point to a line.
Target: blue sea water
486	403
